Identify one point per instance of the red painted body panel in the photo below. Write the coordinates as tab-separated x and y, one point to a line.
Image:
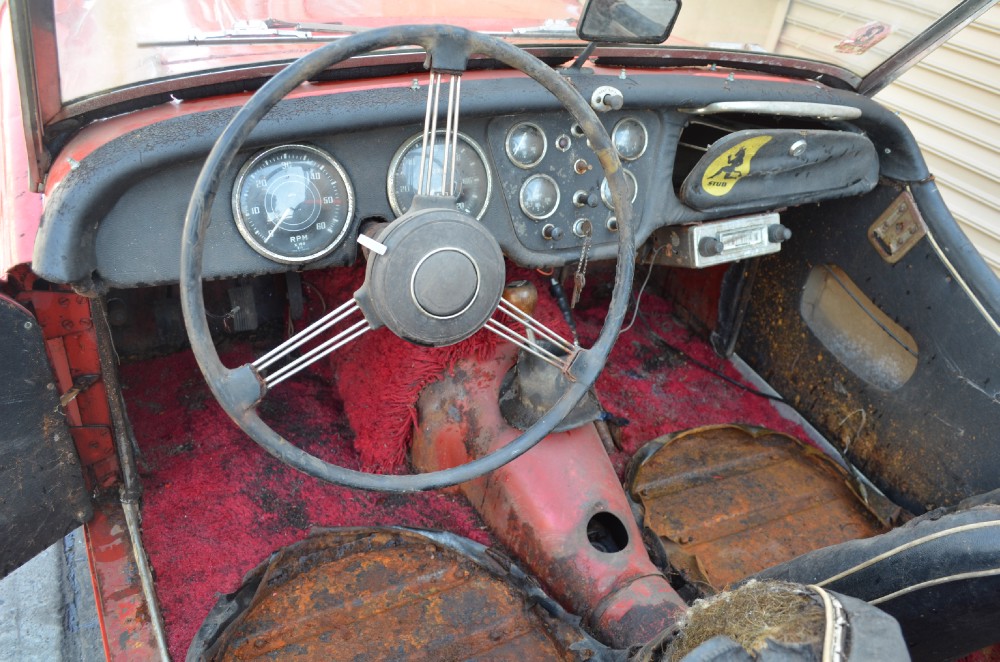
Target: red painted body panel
20	207
121	607
540	504
71	343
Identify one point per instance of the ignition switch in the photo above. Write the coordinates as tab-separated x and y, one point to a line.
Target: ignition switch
607	98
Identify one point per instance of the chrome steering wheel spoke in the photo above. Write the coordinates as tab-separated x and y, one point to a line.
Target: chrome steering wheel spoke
426	183
269	367
537	338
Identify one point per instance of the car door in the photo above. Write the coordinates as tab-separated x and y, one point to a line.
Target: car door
42	491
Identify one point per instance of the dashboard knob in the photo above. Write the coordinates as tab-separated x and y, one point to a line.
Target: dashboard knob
778	233
551	232
710	247
586	199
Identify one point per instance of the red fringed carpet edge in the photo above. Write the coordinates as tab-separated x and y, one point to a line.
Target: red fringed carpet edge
216	505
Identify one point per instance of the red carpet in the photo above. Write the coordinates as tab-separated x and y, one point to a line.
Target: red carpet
216	505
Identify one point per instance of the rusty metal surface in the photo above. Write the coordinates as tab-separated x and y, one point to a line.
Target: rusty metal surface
728	501
72	348
121	607
541	505
381	594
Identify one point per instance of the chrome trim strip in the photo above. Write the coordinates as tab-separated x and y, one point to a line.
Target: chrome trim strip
822	111
934	582
132	518
961	283
694	56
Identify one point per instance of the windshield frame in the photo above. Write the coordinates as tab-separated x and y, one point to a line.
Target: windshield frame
34	38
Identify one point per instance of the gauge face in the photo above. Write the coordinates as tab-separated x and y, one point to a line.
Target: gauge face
472	178
539	197
293	203
630	138
526	145
633	189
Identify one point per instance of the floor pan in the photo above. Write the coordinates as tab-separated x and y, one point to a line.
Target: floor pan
389	593
728	501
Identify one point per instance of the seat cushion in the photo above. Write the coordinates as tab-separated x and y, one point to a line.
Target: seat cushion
939	575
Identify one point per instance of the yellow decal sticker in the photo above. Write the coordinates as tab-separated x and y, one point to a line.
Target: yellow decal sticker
731	166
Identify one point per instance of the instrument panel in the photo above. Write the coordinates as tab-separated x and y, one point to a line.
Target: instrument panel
558	197
294	203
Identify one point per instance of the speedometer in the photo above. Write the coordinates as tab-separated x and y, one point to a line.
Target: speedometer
293	203
472	178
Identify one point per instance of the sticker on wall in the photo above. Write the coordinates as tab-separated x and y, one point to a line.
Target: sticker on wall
862	39
731	166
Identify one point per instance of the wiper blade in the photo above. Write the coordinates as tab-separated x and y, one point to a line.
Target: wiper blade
277	31
337	28
268	31
551	27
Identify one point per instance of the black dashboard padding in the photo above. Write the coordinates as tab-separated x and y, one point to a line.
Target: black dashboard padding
944	566
780	167
164	154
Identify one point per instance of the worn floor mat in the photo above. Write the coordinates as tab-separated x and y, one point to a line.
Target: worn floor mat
729	501
375	594
215	504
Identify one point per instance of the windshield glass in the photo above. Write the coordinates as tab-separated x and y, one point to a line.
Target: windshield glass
106	44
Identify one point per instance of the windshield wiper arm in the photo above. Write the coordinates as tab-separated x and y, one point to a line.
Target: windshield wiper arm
270	31
336	28
278	31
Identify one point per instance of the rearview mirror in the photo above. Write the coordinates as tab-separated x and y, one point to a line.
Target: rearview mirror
630	21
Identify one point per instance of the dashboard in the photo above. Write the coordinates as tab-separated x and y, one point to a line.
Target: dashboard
294	203
318	167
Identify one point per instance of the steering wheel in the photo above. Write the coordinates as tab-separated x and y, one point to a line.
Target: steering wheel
453	267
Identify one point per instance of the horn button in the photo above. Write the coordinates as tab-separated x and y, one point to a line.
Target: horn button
439	280
445	282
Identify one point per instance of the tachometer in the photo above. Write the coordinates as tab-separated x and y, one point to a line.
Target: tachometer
293	203
472	177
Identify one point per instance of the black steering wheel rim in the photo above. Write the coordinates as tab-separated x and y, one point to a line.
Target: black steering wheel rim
235	389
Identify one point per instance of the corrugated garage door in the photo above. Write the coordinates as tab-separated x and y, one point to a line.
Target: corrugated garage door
951	101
